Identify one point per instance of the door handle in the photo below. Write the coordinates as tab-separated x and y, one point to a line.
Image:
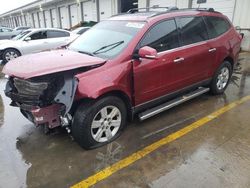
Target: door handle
212	50
178	60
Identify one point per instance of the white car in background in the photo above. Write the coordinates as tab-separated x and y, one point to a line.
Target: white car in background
34	40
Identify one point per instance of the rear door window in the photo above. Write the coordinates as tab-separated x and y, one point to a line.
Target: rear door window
192	30
57	34
163	36
216	26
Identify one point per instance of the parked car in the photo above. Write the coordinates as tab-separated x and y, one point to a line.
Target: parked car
21	28
80	30
34	40
8	33
134	64
5	29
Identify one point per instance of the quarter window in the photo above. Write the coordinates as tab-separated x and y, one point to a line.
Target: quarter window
192	30
162	37
216	26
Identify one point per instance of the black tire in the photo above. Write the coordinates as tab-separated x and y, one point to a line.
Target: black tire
214	89
85	114
10	50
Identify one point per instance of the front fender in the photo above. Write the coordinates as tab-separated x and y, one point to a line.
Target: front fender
105	79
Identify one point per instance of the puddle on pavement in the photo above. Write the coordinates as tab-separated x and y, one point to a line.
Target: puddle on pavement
30	158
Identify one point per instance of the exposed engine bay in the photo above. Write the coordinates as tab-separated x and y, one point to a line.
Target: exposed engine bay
45	100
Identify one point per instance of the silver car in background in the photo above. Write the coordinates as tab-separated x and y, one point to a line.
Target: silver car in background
34	40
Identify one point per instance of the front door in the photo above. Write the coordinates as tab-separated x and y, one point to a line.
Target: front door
38	43
149	74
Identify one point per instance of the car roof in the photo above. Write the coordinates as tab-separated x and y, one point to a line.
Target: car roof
168	13
46	29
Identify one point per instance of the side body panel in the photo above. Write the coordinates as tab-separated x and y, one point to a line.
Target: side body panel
96	82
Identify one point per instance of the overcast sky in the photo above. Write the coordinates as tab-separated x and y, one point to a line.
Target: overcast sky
7	5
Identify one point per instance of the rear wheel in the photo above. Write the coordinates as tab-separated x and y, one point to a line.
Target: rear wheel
10	54
100	122
221	78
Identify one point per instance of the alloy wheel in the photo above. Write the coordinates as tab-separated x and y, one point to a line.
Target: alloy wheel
106	124
223	78
11	55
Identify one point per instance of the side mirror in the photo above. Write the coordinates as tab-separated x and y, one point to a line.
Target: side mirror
27	39
147	52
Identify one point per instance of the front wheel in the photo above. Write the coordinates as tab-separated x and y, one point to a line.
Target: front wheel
221	78
10	54
100	122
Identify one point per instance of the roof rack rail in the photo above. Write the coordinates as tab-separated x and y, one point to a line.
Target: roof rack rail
133	10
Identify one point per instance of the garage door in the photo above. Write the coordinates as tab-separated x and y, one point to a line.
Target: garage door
64	14
89	11
74	14
25	20
20	20
105	9
35	18
54	20
47	18
224	6
162	3
41	19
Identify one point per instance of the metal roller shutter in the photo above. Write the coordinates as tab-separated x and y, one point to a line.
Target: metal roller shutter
47	18
105	9
64	15
224	6
163	3
89	11
74	14
41	19
54	20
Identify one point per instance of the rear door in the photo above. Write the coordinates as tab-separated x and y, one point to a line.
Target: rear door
57	38
218	42
194	59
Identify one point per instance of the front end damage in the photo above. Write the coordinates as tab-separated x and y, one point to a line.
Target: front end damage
44	100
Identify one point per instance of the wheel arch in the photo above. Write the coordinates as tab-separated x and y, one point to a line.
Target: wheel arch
9	48
118	93
230	60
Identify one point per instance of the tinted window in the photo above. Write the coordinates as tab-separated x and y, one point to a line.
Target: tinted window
216	26
192	30
56	34
162	37
39	35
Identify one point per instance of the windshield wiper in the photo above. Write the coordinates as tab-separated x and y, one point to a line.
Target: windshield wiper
88	53
113	45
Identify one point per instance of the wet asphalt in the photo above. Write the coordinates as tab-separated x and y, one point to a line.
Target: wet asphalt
214	155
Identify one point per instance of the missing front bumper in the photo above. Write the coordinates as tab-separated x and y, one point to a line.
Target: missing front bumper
49	115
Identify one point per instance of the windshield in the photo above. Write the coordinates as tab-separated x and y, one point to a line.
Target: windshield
21	35
107	39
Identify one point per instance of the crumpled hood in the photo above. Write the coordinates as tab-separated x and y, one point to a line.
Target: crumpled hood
43	63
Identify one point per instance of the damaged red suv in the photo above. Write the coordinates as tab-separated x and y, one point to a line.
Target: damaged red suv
139	63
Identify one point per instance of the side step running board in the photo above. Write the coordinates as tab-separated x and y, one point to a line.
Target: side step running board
170	104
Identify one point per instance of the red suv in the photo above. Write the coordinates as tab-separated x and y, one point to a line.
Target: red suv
139	63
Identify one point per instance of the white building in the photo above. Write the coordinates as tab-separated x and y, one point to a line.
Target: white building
67	13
